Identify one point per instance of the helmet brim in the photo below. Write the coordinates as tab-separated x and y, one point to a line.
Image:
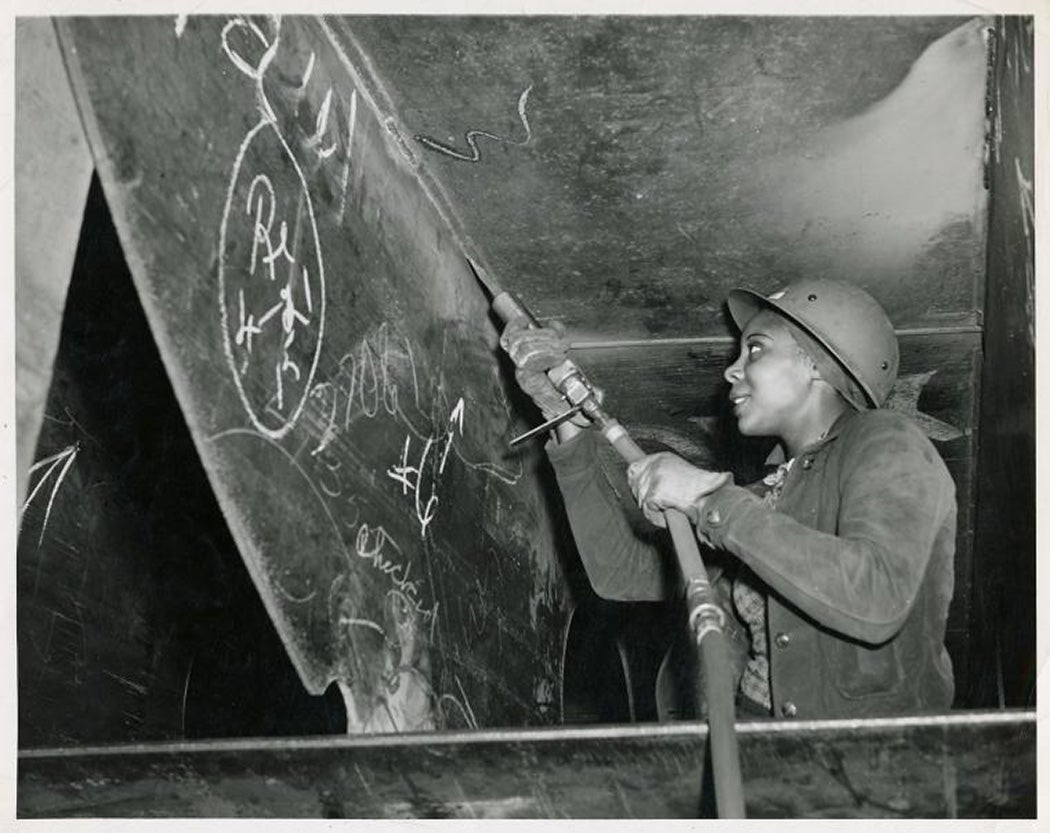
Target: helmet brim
745	304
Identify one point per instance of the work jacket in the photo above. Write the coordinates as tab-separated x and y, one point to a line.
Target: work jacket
856	559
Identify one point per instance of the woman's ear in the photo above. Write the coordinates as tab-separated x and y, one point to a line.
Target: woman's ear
809	364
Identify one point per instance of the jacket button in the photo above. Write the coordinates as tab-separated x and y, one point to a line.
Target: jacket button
714	517
807	463
789	709
782	639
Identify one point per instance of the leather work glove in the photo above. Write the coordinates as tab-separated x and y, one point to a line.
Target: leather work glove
666	481
534	351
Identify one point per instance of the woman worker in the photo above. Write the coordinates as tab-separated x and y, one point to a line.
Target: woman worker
841	567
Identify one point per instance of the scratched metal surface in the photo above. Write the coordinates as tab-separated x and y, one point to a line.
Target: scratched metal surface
334	362
644	166
964	765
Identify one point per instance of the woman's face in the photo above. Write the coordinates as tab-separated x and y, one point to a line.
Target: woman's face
770	380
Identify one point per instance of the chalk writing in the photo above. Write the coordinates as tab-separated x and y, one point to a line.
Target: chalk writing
278	290
321	127
323	143
368	376
366	385
475	152
382	598
411	477
63	459
370	544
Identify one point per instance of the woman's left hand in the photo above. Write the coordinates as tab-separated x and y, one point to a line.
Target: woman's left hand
666	481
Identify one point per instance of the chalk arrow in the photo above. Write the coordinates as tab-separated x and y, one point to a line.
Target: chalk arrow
456	417
64	459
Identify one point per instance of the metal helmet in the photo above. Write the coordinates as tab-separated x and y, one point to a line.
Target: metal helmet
846	320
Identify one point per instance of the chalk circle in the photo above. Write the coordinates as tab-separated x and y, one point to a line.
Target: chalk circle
272	391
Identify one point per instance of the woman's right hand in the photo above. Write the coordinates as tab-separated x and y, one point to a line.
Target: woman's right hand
534	351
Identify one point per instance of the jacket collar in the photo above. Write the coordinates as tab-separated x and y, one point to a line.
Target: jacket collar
778	456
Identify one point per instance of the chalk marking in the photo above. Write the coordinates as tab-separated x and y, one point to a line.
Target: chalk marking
291	315
186	692
416	604
364	623
262	234
441	204
329	433
333	467
47	460
350	524
404	474
64	458
475	152
321	127
271	312
1027	199
255	73
309	71
454	419
466	700
290	597
466	715
369	545
427	514
379	386
403	588
350	125
180	24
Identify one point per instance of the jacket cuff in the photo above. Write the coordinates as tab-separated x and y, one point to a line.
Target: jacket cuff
574	456
720	509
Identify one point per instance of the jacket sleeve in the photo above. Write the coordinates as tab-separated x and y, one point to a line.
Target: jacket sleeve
895	494
622	563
